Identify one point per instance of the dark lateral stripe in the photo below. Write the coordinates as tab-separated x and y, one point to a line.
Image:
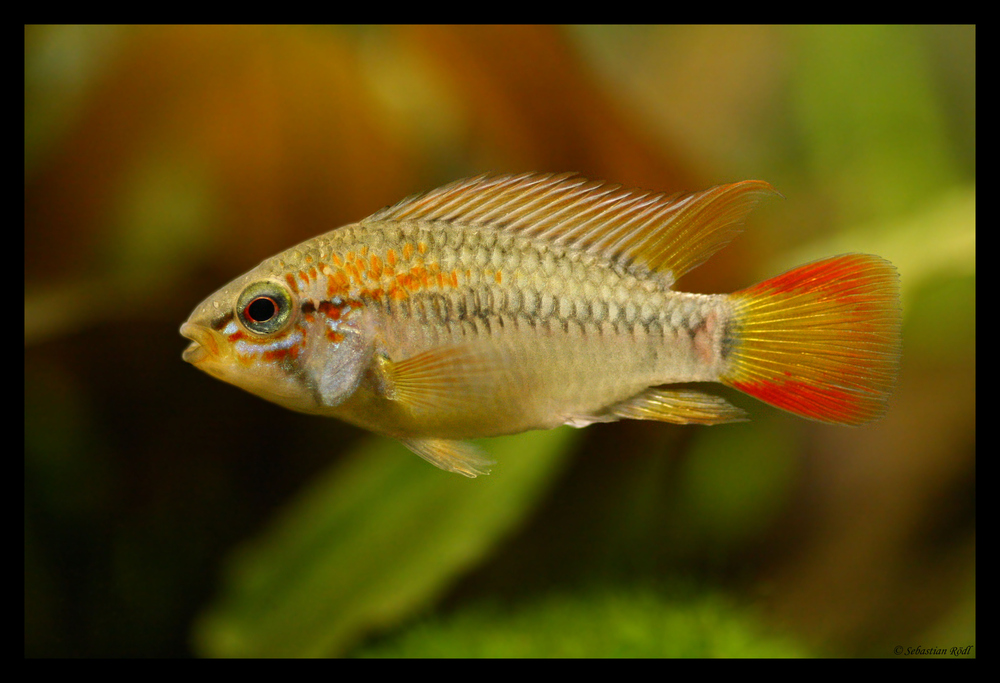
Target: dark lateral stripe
219	323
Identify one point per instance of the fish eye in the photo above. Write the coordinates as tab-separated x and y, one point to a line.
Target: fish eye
264	307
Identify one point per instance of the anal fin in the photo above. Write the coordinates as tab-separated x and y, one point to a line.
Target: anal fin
454	456
679	406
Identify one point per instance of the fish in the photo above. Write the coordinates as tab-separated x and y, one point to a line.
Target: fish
505	303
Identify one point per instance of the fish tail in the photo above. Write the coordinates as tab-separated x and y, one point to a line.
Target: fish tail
821	341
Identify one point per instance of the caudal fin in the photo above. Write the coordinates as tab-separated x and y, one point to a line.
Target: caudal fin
821	341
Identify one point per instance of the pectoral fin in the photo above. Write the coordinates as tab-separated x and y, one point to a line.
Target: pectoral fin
454	456
440	379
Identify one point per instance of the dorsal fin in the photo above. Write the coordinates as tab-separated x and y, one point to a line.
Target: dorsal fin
644	231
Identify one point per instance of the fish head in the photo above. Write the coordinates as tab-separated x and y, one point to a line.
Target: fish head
264	334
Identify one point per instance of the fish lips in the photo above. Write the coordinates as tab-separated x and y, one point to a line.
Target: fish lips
204	343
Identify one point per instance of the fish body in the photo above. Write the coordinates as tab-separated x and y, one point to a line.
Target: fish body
501	304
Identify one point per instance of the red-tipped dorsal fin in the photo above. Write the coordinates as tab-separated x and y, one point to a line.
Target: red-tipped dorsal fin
821	341
641	230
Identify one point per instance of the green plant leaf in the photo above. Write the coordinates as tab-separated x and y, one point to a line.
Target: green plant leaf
377	538
606	622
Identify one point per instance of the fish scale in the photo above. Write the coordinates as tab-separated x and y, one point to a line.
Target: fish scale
451	273
500	304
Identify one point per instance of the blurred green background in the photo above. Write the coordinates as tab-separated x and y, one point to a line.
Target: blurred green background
168	514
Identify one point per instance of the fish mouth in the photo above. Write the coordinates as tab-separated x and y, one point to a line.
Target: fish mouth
203	343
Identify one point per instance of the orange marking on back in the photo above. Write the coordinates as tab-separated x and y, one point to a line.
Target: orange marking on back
337	283
422	276
422	247
499	279
406	281
292	285
390	257
376	266
352	270
407	251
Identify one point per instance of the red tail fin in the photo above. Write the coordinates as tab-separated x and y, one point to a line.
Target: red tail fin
821	341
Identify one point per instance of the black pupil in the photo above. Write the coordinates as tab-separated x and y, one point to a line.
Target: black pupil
261	309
